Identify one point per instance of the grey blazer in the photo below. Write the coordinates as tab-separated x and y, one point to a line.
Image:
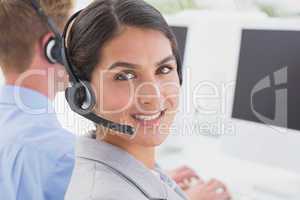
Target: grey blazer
106	172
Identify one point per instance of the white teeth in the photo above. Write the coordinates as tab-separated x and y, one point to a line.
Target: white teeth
147	117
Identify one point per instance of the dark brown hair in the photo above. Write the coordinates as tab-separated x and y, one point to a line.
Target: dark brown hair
101	21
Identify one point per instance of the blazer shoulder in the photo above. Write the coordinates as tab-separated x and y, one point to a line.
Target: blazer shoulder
94	181
114	186
82	181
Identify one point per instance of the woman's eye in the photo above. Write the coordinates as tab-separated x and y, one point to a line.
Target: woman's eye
124	76
165	70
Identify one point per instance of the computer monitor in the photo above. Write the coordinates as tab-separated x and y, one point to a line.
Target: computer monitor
266	109
268	78
181	36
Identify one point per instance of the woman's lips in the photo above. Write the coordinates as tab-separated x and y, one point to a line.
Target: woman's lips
149	120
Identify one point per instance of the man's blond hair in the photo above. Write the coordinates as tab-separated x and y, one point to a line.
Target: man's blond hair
21	28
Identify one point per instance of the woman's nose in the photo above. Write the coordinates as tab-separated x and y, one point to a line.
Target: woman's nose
149	96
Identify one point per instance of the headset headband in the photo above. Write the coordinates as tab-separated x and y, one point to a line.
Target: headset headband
72	76
35	4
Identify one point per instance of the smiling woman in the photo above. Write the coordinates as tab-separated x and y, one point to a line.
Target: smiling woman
129	54
146	82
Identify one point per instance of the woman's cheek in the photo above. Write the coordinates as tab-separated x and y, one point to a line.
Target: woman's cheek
117	98
171	94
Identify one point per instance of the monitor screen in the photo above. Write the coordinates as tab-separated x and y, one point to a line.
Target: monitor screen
268	79
181	36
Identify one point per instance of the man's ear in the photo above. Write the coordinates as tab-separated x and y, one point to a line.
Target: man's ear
43	42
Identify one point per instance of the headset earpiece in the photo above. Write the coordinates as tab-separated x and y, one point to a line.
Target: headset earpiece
81	97
53	50
90	98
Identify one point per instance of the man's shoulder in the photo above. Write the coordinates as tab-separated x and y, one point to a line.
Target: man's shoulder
35	130
34	143
38	160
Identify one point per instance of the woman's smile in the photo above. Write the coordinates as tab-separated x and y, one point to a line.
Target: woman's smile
149	119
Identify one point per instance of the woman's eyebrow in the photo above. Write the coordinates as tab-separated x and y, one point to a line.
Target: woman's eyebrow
132	65
165	60
123	64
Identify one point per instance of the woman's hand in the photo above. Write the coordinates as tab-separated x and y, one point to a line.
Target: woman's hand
196	188
183	176
212	190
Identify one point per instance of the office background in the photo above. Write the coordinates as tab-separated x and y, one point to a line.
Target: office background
257	161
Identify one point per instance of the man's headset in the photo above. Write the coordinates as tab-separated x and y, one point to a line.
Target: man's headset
56	52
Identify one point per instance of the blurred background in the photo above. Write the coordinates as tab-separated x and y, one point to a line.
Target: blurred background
223	43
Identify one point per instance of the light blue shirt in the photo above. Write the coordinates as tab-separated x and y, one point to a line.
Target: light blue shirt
36	153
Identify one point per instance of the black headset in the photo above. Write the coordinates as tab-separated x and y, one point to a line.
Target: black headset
56	52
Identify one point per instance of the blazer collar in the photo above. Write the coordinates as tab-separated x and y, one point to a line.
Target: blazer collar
123	162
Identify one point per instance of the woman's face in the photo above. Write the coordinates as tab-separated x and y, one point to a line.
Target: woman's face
136	83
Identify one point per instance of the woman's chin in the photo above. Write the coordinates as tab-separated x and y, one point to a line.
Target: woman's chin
150	139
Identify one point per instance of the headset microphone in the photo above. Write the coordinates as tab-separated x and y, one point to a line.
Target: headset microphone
57	52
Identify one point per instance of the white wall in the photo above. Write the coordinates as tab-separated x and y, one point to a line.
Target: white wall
81	4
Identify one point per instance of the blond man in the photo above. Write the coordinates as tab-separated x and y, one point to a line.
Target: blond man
36	153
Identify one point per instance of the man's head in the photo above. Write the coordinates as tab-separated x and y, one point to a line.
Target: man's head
23	33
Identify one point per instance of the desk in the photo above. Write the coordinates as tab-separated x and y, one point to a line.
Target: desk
203	154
